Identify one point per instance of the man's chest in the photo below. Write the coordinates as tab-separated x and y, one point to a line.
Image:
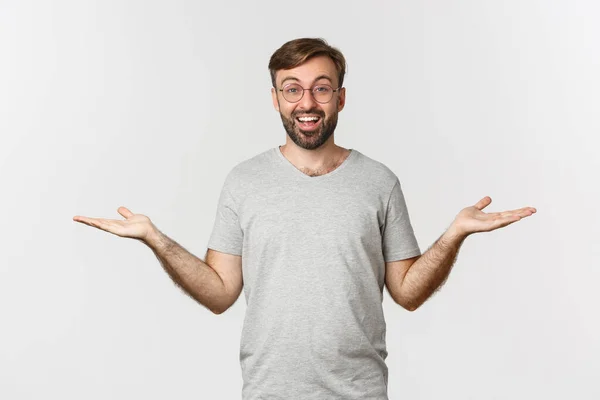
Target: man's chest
326	217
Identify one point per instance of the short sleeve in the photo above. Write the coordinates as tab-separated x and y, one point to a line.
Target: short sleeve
227	235
399	241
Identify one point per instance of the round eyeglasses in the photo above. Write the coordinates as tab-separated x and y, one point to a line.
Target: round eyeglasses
293	93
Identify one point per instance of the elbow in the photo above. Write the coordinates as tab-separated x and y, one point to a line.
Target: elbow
214	308
222	306
218	309
410	301
409	304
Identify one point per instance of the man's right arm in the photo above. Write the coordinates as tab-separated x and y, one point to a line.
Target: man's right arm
215	283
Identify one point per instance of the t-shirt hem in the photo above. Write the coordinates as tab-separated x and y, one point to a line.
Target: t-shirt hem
404	255
224	249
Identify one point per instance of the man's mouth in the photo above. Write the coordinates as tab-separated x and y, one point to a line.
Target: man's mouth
308	123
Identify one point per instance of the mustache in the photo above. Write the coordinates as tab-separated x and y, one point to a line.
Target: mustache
313	112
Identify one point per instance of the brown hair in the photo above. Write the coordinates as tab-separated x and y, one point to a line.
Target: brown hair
297	51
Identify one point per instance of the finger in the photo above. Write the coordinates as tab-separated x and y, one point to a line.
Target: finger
509	220
88	221
108	225
506	220
500	222
85	220
483	203
125	212
523	212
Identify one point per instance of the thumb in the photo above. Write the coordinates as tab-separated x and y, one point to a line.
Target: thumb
125	212
483	203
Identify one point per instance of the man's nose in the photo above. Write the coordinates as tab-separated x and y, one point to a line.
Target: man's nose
307	101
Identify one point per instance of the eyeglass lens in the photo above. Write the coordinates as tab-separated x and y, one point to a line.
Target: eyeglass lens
294	92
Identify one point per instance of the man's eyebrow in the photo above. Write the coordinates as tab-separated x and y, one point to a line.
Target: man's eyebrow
293	78
323	77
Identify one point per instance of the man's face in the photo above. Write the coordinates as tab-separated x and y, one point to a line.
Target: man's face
313	134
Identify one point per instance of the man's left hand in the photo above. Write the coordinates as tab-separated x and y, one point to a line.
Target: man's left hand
472	219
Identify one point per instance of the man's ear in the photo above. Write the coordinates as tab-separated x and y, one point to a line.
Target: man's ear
341	99
275	99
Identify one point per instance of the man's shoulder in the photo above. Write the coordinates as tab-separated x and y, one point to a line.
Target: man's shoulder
375	169
249	170
253	164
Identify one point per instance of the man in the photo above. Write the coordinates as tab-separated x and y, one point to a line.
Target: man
312	232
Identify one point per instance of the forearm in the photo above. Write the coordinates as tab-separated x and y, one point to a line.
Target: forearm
188	272
431	270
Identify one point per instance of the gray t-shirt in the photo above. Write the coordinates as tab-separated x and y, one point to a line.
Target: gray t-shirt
313	258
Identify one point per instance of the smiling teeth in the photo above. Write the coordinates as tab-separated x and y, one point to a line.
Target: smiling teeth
306	119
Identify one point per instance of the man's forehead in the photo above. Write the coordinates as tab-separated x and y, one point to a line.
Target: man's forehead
304	79
312	70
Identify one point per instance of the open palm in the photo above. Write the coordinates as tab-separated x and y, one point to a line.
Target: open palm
135	226
472	219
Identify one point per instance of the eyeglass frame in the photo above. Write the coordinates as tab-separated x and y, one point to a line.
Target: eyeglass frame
311	92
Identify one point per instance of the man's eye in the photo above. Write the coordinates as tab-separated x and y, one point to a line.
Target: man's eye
321	89
291	90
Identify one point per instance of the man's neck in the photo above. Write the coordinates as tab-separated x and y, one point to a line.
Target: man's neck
315	162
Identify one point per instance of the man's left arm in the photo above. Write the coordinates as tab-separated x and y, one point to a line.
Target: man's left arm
412	281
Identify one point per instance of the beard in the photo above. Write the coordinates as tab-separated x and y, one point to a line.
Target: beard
310	140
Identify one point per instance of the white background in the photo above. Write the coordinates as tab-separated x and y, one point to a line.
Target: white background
149	104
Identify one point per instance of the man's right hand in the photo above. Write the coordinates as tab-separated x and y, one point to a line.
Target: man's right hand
216	285
135	226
